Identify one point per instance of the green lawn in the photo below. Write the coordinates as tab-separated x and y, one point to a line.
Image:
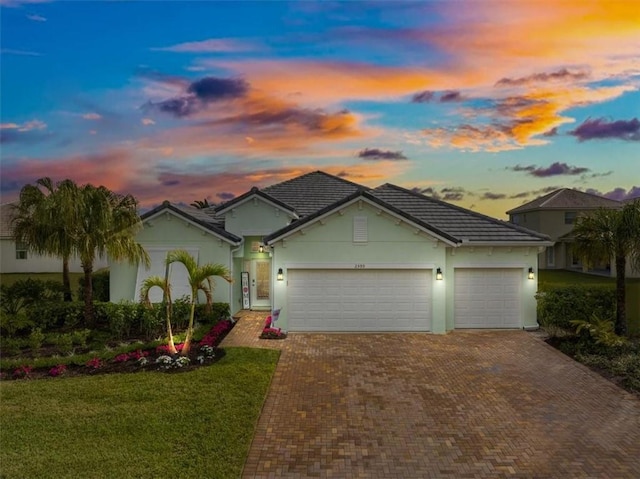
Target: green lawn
550	278
140	425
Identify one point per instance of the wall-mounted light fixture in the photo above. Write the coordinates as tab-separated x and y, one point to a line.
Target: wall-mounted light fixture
261	248
280	276
439	274
531	275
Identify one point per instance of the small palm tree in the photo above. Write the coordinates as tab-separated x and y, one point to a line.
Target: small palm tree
200	279
162	283
607	234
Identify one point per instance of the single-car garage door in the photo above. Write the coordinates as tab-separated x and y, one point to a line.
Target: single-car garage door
359	300
487	298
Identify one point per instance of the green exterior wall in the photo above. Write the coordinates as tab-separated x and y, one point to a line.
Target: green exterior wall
331	245
170	231
521	258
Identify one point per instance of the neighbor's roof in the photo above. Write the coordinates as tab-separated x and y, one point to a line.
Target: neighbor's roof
5	219
202	217
566	198
460	223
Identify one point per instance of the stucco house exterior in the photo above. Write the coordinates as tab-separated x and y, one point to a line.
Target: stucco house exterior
554	215
337	256
15	258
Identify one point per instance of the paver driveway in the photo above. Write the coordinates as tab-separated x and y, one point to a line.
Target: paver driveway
462	405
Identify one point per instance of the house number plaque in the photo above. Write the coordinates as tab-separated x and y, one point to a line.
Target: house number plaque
359	266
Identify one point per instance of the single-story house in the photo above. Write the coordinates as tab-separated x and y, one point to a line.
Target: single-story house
337	256
16	257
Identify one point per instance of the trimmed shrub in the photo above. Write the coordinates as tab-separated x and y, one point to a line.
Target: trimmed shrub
14	324
558	306
27	292
56	315
99	283
36	338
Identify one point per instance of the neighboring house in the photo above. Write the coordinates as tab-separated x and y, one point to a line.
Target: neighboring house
337	256
15	258
554	215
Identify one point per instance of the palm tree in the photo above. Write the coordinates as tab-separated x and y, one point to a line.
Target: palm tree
162	283
104	223
200	279
40	221
200	204
607	234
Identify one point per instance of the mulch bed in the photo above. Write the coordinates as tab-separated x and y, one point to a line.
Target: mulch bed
130	363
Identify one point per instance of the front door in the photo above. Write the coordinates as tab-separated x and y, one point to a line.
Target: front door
260	284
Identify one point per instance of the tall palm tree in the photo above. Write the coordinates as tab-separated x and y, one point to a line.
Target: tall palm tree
104	223
162	283
40	221
200	279
607	234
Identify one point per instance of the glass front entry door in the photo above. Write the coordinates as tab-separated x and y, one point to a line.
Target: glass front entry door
261	284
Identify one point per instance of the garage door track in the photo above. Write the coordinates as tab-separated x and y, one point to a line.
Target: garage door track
462	405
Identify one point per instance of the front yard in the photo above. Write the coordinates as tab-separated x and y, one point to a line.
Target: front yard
198	423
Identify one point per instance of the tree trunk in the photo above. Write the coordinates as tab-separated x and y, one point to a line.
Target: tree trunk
166	297
621	311
187	339
66	282
89	319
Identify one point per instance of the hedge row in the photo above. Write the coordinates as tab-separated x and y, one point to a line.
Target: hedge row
122	320
558	306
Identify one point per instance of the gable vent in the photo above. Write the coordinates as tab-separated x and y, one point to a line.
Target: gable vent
360	230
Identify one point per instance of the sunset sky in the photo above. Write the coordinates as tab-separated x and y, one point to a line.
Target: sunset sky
483	104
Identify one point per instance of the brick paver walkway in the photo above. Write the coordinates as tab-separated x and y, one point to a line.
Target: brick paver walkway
462	405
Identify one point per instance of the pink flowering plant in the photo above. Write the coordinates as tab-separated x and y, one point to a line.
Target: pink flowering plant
22	372
269	332
216	333
94	363
58	370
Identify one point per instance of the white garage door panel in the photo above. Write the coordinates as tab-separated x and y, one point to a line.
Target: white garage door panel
487	298
359	300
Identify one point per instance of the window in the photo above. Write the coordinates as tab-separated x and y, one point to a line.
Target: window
360	231
515	219
551	256
21	251
570	217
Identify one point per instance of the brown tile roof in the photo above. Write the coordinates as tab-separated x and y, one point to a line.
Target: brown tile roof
567	199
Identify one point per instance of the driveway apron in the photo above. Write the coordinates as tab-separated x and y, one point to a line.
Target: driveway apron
462	405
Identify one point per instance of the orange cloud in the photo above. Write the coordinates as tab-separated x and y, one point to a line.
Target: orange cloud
322	83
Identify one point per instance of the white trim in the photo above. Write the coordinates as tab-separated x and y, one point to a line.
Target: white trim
361	266
492	265
186	220
339	209
255	196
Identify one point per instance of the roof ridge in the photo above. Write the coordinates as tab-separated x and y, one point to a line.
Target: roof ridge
464	210
324	173
552	196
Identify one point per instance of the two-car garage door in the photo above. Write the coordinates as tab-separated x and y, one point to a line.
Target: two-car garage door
487	298
359	300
